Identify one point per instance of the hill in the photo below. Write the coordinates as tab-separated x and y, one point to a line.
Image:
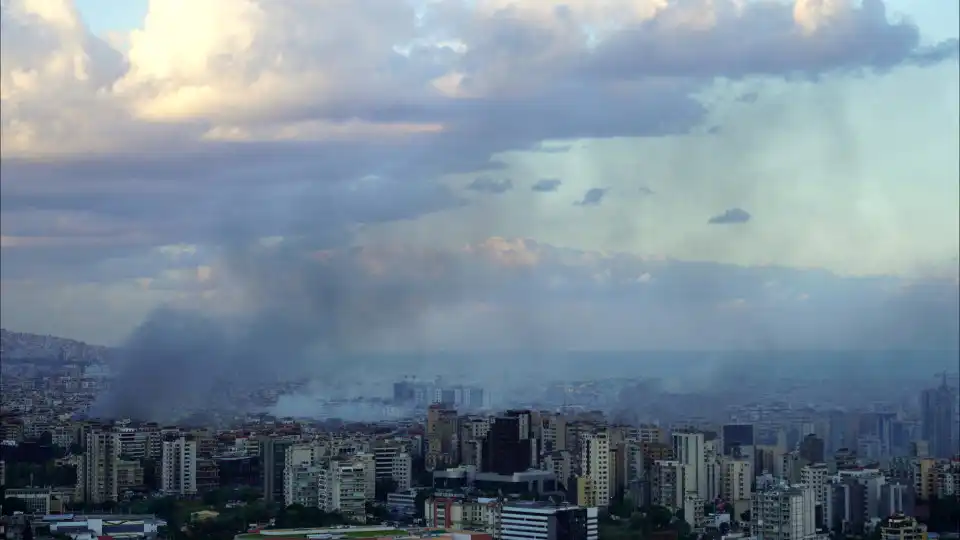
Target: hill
22	345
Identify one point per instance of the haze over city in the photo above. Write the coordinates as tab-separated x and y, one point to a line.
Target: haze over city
480	269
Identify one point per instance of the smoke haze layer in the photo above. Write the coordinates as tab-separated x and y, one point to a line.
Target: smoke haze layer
300	312
538	184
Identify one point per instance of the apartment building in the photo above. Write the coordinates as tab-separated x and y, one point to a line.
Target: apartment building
178	469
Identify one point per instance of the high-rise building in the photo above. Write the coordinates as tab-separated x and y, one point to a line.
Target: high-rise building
273	452
595	465
394	462
688	449
734	435
812	449
937	420
178	466
539	521
670	483
736	477
98	469
345	485
817	476
442	423
505	450
784	513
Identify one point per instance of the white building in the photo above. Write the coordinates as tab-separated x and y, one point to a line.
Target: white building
688	449
535	521
178	472
670	482
346	484
784	513
394	461
736	476
817	476
97	469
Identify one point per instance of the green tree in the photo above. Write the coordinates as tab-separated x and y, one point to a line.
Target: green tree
659	517
216	497
384	487
420	500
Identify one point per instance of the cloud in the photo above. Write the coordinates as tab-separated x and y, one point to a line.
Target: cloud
485	184
546	185
592	197
409	298
156	174
730	216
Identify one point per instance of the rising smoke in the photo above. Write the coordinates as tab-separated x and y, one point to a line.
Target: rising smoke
302	313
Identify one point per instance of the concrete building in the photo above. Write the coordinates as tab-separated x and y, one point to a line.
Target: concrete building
736	477
346	484
670	482
442	431
901	527
784	513
97	468
37	500
595	464
178	469
538	521
688	449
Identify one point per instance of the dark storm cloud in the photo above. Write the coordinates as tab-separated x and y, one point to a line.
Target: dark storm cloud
592	197
730	217
486	184
546	185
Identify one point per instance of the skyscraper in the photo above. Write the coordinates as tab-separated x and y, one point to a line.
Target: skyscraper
688	447
936	409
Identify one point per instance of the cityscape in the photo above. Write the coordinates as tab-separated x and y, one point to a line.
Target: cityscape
443	459
479	269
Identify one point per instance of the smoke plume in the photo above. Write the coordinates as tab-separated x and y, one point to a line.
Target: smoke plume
301	311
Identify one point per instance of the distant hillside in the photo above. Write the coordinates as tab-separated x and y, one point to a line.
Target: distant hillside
17	345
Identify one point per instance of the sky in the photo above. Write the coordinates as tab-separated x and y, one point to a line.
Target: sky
453	174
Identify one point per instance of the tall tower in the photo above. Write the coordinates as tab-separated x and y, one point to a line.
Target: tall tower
688	448
937	419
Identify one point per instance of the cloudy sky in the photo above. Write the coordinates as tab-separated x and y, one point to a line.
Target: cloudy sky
530	173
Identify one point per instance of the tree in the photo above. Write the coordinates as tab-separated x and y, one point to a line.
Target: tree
623	508
419	501
13	504
216	497
384	487
378	511
659	517
745	516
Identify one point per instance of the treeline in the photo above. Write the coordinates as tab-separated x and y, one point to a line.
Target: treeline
184	522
